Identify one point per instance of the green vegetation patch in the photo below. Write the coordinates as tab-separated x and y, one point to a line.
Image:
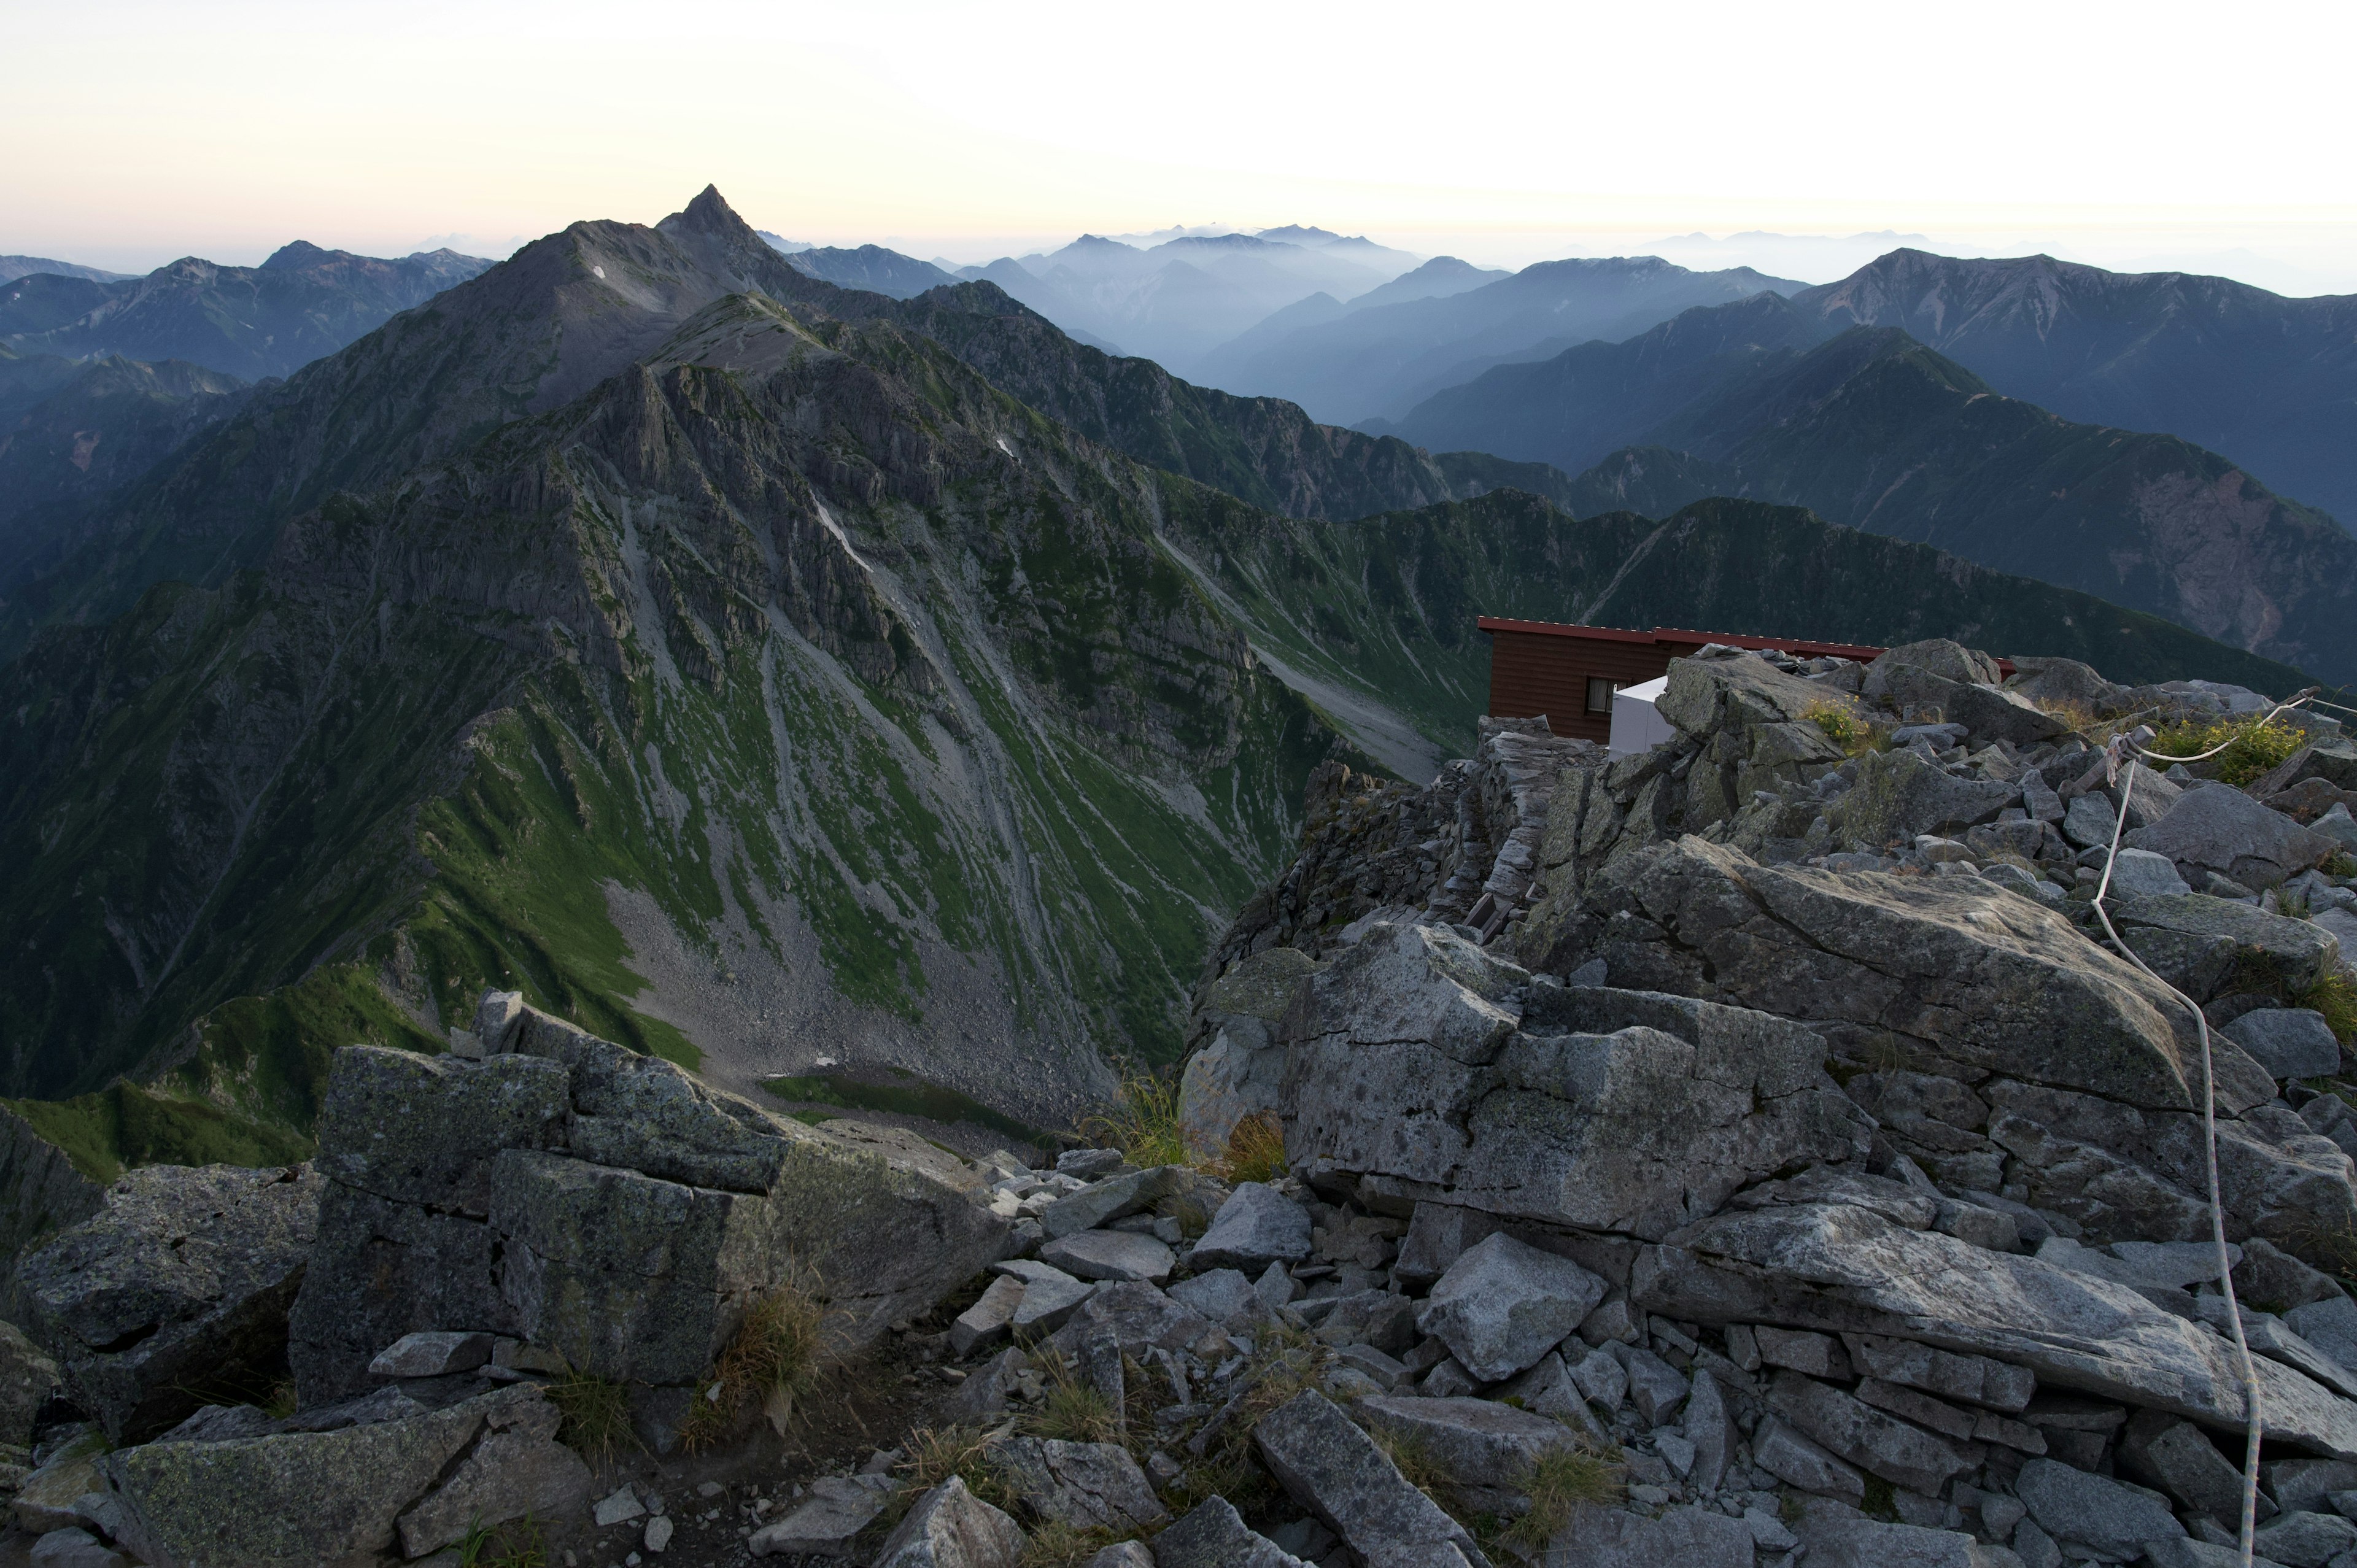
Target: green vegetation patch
123	1125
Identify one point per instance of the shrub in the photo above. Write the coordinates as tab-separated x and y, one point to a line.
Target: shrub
1559	1484
594	1415
1843	727
2252	747
1256	1150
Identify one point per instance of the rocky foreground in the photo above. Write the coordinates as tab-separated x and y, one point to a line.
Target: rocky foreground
1743	1153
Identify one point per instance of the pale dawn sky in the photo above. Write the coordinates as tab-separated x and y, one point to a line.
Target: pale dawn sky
2125	135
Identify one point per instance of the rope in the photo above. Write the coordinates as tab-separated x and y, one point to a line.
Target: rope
2253	1423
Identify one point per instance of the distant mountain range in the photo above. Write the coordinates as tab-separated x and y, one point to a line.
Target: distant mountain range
1871	428
13	267
1382	360
750	667
248	322
869	267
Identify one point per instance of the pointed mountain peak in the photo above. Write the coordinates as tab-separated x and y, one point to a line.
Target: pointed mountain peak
298	254
710	214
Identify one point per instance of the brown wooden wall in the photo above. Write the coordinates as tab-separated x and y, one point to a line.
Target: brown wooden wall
1533	673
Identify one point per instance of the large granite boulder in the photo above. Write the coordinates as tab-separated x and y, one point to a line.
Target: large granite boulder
610	1207
1757	720
2219	828
179	1284
393	1477
1841	1269
2229	938
1897	795
1422	1059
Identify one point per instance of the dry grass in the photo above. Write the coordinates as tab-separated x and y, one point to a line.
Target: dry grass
2252	747
1144	1125
1072	1410
1256	1150
594	1415
933	1457
1055	1545
1562	1482
770	1361
1413	1459
2341	866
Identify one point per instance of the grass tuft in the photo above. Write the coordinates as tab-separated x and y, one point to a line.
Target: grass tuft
594	1415
1256	1150
1144	1125
1841	724
2341	866
2252	747
2335	996
521	1543
1072	1410
1056	1544
771	1360
934	1456
1559	1484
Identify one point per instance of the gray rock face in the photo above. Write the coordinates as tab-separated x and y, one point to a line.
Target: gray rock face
1239	1070
2301	952
294	1498
1256	1226
2290	1042
1975	1379
1607	1109
183	1279
1655	1387
1137	1318
1710	1427
1110	1255
1845	1269
1898	795
2223	830
987	1321
2087	822
1093	1485
2074	1506
2140	871
608	1207
840	1507
1474	1441
2173	1455
1114	1197
949	1527
75	1548
1682	1538
1224	1295
1849	1542
431	1354
2305	1539
1213	1535
1503	1305
1800	1461
1954	972
28	1377
1335	1470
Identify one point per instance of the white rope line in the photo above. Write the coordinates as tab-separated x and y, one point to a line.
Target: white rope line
2254	1425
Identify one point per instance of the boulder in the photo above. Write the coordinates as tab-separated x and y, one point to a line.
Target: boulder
2174	1456
180	1284
610	1209
1503	1304
1874	1442
1840	1539
1137	1318
2056	680
1110	1255
1089	1485
1976	1379
1334	1470
1256	1226
949	1527
1224	1295
1114	1197
1655	1387
2334	760
1681	1537
2078	1508
1845	1269
2298	1484
1942	658
1799	1461
1213	1535
1472	1441
2305	1539
2221	830
1239	1070
27	1379
2088	823
432	1354
838	1508
1710	1427
1950	969
1050	1297
2140	871
75	1548
985	1323
2290	1042
412	1483
1607	1109
1898	796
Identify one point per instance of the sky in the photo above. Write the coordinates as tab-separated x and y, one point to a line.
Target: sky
2154	134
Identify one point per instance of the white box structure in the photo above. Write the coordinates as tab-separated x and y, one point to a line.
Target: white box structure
1637	725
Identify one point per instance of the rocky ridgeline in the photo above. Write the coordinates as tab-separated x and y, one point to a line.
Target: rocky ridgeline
1739	1155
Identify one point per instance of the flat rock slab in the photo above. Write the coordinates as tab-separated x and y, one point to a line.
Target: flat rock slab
1682	1538
2302	951
2223	830
1837	1540
1332	1468
987	1321
2290	1042
1840	1268
1504	1304
1224	1295
1876	1443
1110	1255
1256	1226
1091	1486
1114	1197
1474	1442
2074	1506
432	1354
1213	1535
1135	1316
838	1508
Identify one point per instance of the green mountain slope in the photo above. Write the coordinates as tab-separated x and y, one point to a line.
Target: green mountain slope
1874	430
791	694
